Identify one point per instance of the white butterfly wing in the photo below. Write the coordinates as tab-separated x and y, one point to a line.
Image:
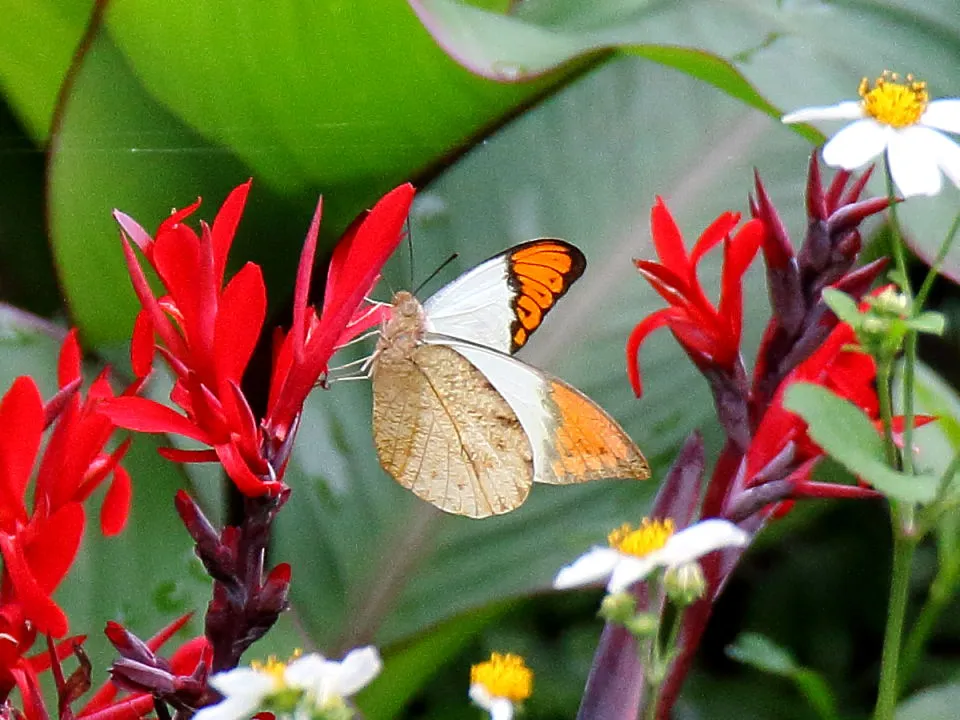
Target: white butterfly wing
502	301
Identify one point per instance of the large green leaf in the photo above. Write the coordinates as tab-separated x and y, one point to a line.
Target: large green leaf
118	148
325	93
785	55
37	44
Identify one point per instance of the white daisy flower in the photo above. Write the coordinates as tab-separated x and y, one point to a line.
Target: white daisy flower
500	684
635	553
899	118
306	687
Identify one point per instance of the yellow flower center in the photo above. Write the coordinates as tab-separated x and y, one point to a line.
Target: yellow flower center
651	535
505	676
892	102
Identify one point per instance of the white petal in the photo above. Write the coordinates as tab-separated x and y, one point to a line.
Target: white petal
913	163
481	696
591	567
943	115
857	144
700	539
231	708
244	682
501	709
358	669
946	152
629	570
847	110
307	672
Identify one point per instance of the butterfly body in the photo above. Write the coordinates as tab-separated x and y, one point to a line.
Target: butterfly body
464	425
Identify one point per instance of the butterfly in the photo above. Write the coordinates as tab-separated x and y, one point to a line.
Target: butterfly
463	424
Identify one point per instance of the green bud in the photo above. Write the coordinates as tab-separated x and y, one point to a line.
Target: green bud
642	625
618	607
685	584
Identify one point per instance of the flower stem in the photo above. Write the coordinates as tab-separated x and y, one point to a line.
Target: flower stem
904	546
886	409
942	590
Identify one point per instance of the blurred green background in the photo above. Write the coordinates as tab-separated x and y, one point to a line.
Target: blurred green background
558	118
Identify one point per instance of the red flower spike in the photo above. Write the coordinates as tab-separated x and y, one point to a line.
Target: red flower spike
855	191
711	336
354	269
208	330
816	202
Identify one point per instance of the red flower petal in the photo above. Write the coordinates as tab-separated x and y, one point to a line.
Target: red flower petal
37	606
188	456
243	307
22	418
116	503
161	324
142	415
142	347
238	470
68	365
667	240
650	323
55	545
225	227
715	233
135	232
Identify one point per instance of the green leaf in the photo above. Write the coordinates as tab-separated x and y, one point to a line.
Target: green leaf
933	323
847	435
37	44
762	653
843	306
765	655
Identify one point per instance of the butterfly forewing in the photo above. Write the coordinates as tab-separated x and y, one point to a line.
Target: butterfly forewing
502	301
444	433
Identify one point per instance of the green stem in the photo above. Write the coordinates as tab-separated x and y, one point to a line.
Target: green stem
910	345
941	593
903	549
934	270
886	411
896	239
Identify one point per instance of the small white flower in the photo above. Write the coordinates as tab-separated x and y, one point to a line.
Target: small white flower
501	683
635	553
308	685
896	117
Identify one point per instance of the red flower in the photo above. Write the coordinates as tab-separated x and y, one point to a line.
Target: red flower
207	333
38	546
842	367
710	335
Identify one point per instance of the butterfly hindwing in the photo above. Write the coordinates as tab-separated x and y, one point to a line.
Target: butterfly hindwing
573	439
466	457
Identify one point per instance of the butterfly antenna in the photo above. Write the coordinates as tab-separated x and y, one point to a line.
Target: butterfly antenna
410	249
436	272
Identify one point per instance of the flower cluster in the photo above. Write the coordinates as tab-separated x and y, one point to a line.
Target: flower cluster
208	330
42	523
768	458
